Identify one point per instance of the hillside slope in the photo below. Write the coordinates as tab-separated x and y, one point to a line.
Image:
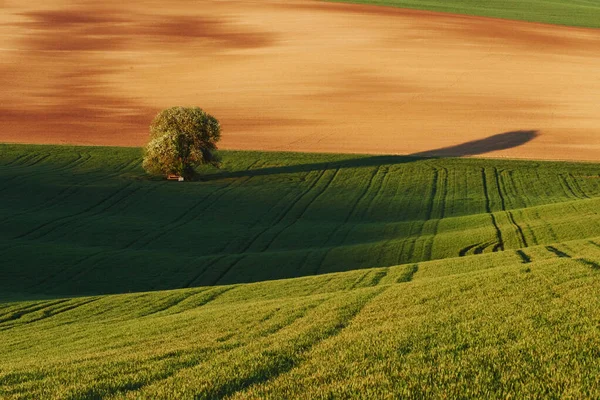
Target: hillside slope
74	217
414	277
478	326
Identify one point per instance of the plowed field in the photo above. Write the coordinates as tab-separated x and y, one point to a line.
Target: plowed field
300	76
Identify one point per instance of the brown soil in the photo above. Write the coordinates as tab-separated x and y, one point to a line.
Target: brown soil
299	75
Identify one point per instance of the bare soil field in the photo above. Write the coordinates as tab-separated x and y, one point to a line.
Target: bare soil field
299	76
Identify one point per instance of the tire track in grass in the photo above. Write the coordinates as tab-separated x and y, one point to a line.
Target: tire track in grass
501	184
525	259
15	160
347	218
557	252
175	299
167	228
396	176
589	263
359	280
8	182
76	274
432	193
124	203
284	360
443	194
500	242
278	219
215	260
208	296
294	316
39	160
45	171
428	215
518	229
61	221
521	194
287	226
303	343
569	191
500	195
463	252
94	215
397	173
18	312
71	190
47	312
575	184
322	284
22	160
279	216
185	217
406	241
378	276
175	362
304	209
481	248
365	210
61	271
407	275
355	211
547	225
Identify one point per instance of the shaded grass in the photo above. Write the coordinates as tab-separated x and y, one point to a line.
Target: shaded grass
415	278
473	326
87	220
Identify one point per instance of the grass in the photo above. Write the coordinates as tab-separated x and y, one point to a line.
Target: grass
73	217
476	326
410	277
582	13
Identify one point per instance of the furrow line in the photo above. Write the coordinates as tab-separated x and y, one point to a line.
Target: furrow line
350	214
463	252
525	259
208	265
339	227
428	215
281	216
186	218
286	361
577	187
500	241
567	188
74	215
359	280
300	215
520	233
443	190
96	213
408	275
557	252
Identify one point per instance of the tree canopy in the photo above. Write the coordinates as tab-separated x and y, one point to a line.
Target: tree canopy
181	138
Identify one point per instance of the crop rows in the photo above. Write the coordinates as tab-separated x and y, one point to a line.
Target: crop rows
479	326
76	216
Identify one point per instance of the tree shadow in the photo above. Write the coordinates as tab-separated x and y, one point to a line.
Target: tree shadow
501	141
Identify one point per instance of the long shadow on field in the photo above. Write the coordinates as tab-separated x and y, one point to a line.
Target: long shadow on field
501	141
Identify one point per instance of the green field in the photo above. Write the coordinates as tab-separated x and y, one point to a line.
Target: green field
412	277
584	13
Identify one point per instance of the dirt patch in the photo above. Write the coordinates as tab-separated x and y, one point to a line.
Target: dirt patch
299	75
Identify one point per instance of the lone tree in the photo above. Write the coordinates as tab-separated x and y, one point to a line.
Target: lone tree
181	138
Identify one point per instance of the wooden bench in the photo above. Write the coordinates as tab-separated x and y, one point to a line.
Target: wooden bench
173	177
